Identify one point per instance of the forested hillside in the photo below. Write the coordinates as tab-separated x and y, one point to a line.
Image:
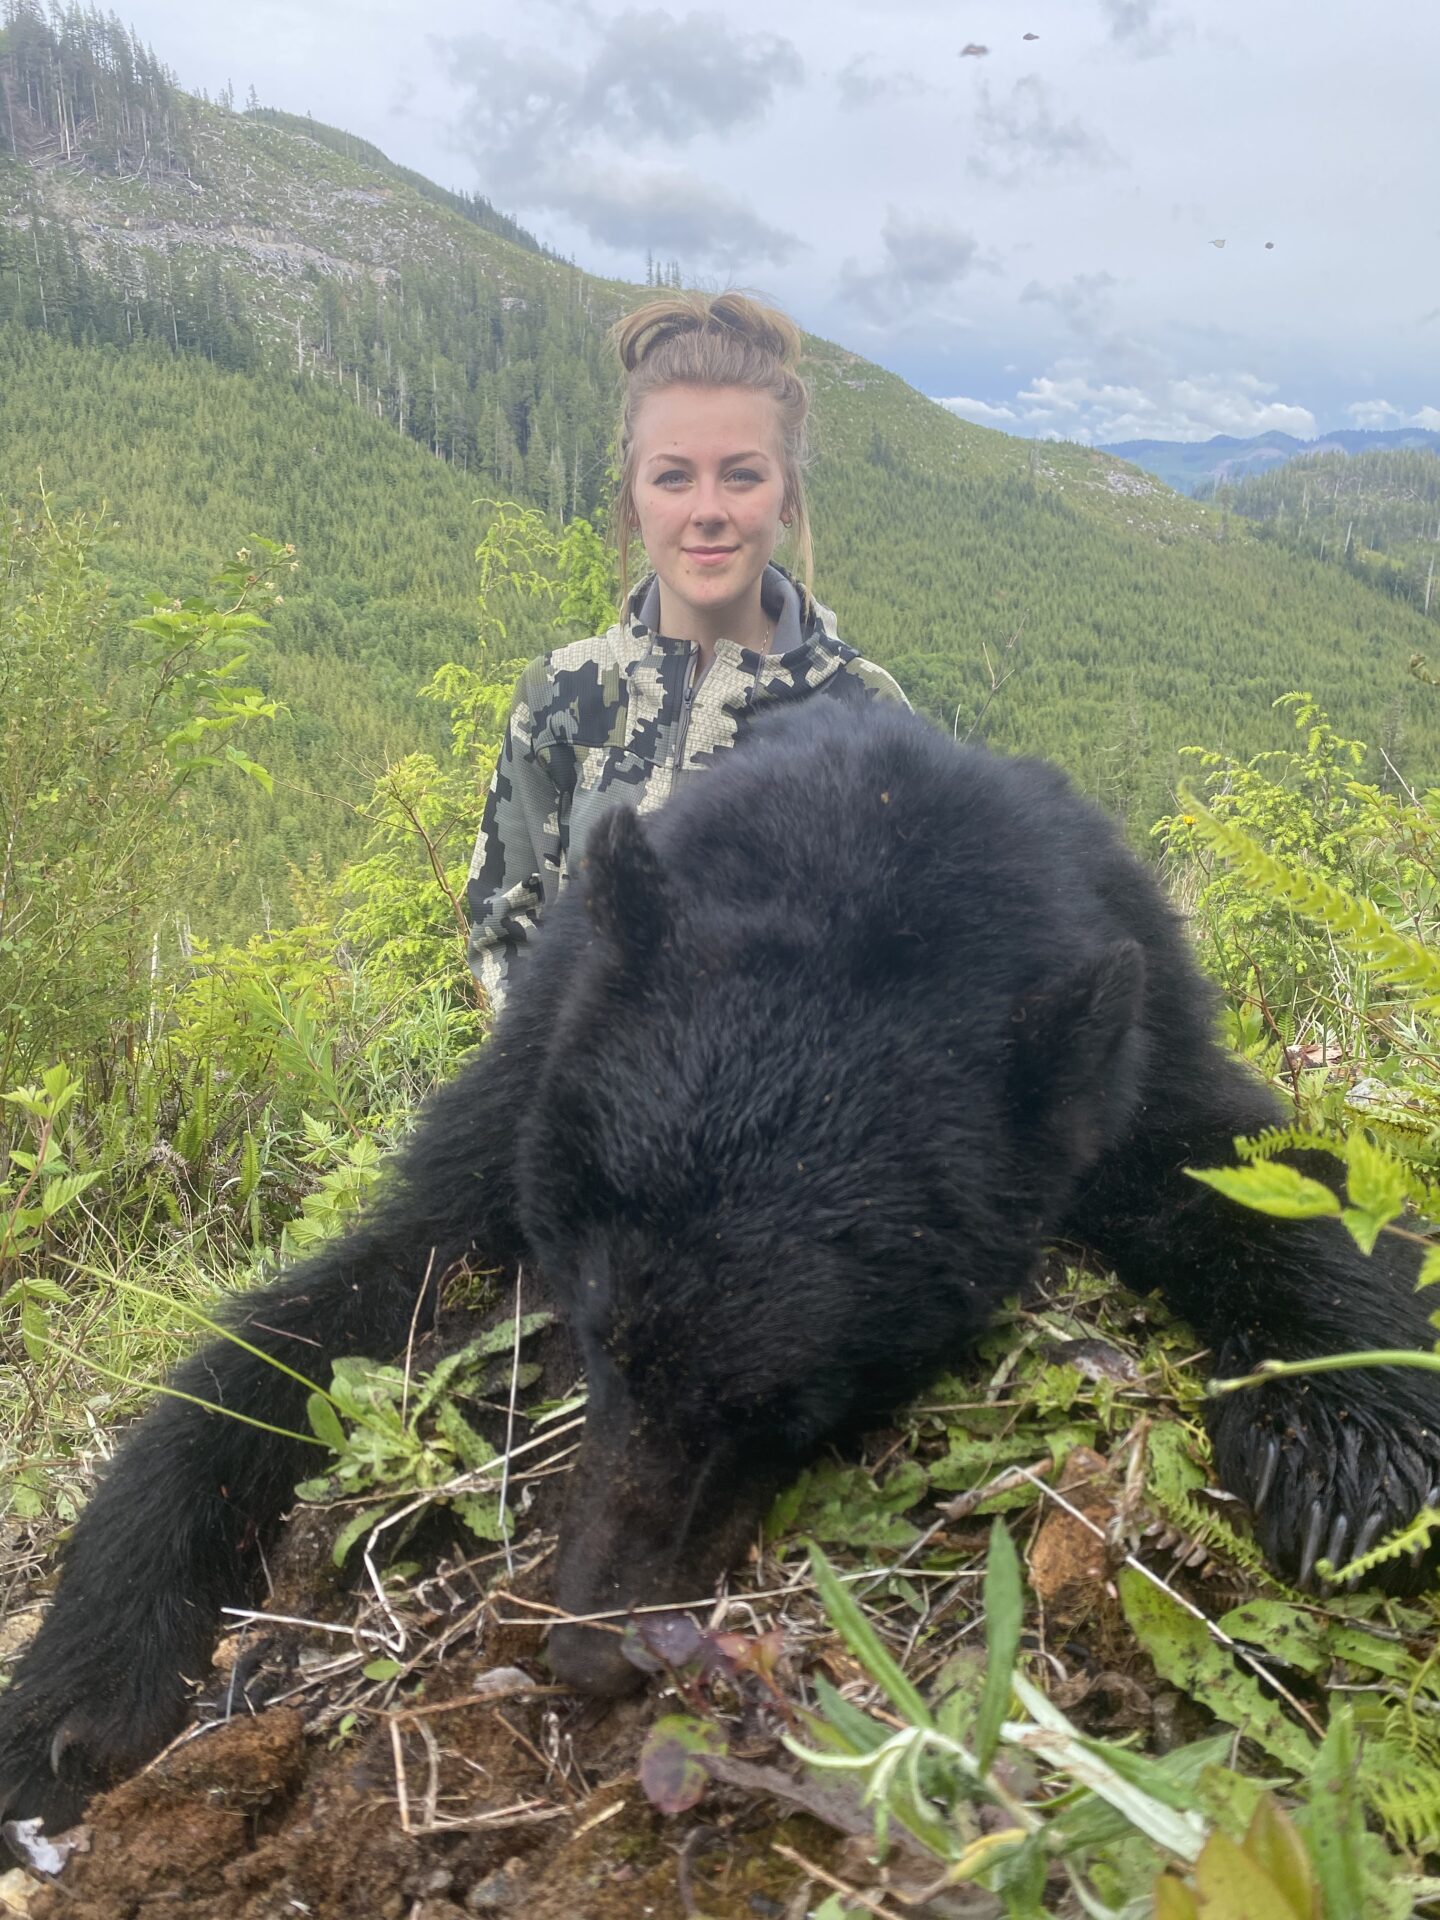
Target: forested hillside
1199	466
1375	514
222	323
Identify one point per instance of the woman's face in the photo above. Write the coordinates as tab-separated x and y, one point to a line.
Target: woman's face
709	490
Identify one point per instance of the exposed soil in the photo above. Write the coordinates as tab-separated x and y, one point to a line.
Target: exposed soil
519	1804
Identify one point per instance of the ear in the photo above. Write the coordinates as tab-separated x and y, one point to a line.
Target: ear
1077	1043
626	892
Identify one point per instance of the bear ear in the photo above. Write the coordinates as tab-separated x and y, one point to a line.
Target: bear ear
625	886
1077	1045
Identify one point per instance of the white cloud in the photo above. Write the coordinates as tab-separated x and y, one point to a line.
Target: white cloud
1022	133
981	412
860	83
1373	413
1074	401
923	261
765	144
1143	26
558	126
1383	414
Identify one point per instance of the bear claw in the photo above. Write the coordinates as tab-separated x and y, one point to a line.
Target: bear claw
1310	1550
1266	1476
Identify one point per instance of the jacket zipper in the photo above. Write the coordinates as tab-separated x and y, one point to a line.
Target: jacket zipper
687	698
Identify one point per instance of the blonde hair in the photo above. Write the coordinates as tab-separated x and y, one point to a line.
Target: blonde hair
692	339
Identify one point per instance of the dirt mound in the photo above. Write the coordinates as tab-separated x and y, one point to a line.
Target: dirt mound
455	1811
484	1791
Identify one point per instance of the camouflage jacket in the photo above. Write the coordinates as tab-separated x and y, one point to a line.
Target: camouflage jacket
621	720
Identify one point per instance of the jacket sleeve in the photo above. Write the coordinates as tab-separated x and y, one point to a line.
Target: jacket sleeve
875	681
515	868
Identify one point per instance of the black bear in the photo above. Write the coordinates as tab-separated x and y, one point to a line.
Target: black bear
802	1076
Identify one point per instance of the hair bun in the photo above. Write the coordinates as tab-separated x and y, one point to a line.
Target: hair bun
763	329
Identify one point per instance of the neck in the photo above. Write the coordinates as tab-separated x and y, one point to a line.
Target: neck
743	621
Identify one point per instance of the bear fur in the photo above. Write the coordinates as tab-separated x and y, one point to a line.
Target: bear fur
803	1075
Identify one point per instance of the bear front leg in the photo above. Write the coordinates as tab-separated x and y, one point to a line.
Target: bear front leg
175	1529
1327	1463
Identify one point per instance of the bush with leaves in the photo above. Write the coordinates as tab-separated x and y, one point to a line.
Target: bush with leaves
402	1442
1298	860
1308	807
405	900
1125	1835
106	729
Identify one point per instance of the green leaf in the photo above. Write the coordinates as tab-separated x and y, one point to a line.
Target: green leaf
326	1422
481	1514
1232	1885
61	1191
381	1669
39	1288
842	1505
1365	1228
671	1772
1004	1619
862	1640
1270	1187
355	1528
1273	1842
1174	1900
1088	1764
472	1449
1334	1821
34	1328
260	775
843	1724
1188	1657
1292	1635
1375	1180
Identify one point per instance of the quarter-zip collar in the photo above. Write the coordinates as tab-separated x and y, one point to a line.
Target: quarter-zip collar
782	599
804	653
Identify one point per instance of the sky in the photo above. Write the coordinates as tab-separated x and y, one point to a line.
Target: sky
1094	219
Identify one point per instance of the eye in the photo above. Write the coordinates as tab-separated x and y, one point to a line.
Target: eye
747	474
665	479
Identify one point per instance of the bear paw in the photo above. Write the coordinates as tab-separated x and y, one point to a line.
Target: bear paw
1326	1474
67	1732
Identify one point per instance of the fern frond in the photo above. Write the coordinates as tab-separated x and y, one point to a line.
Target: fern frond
1421	1191
1407	1126
1353	922
1400	1777
1264	1146
1410	1539
1171	1483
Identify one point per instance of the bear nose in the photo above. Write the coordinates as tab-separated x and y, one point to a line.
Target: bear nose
590	1660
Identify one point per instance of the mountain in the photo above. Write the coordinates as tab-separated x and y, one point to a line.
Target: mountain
1376	514
224	322
1197	466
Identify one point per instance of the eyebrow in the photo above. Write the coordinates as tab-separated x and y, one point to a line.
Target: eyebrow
683	460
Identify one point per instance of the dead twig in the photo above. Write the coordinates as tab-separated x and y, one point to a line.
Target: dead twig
842	1887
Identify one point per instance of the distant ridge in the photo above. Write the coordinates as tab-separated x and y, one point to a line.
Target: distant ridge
1193	466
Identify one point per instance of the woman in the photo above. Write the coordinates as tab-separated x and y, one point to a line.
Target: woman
712	454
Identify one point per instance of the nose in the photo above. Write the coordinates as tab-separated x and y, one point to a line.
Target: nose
709	504
589	1659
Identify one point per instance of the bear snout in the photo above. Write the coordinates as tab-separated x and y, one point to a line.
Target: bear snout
591	1661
